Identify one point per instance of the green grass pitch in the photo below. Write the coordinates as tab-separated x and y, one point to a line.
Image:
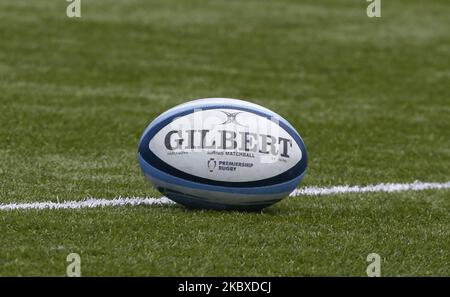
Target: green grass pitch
370	97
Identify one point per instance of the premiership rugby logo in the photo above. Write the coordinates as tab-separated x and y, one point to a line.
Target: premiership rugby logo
211	164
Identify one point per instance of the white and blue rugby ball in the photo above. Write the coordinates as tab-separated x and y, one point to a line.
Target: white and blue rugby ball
222	154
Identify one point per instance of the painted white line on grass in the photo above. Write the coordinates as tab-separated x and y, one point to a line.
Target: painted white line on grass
389	188
88	203
306	191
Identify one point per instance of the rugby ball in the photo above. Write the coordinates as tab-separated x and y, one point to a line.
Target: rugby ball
222	154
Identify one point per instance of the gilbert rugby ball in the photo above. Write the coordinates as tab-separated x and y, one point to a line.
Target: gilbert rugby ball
222	154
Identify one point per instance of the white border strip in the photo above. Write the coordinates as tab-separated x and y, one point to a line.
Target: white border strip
307	191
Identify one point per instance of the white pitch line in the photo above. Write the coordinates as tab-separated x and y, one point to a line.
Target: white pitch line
88	203
389	188
306	191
